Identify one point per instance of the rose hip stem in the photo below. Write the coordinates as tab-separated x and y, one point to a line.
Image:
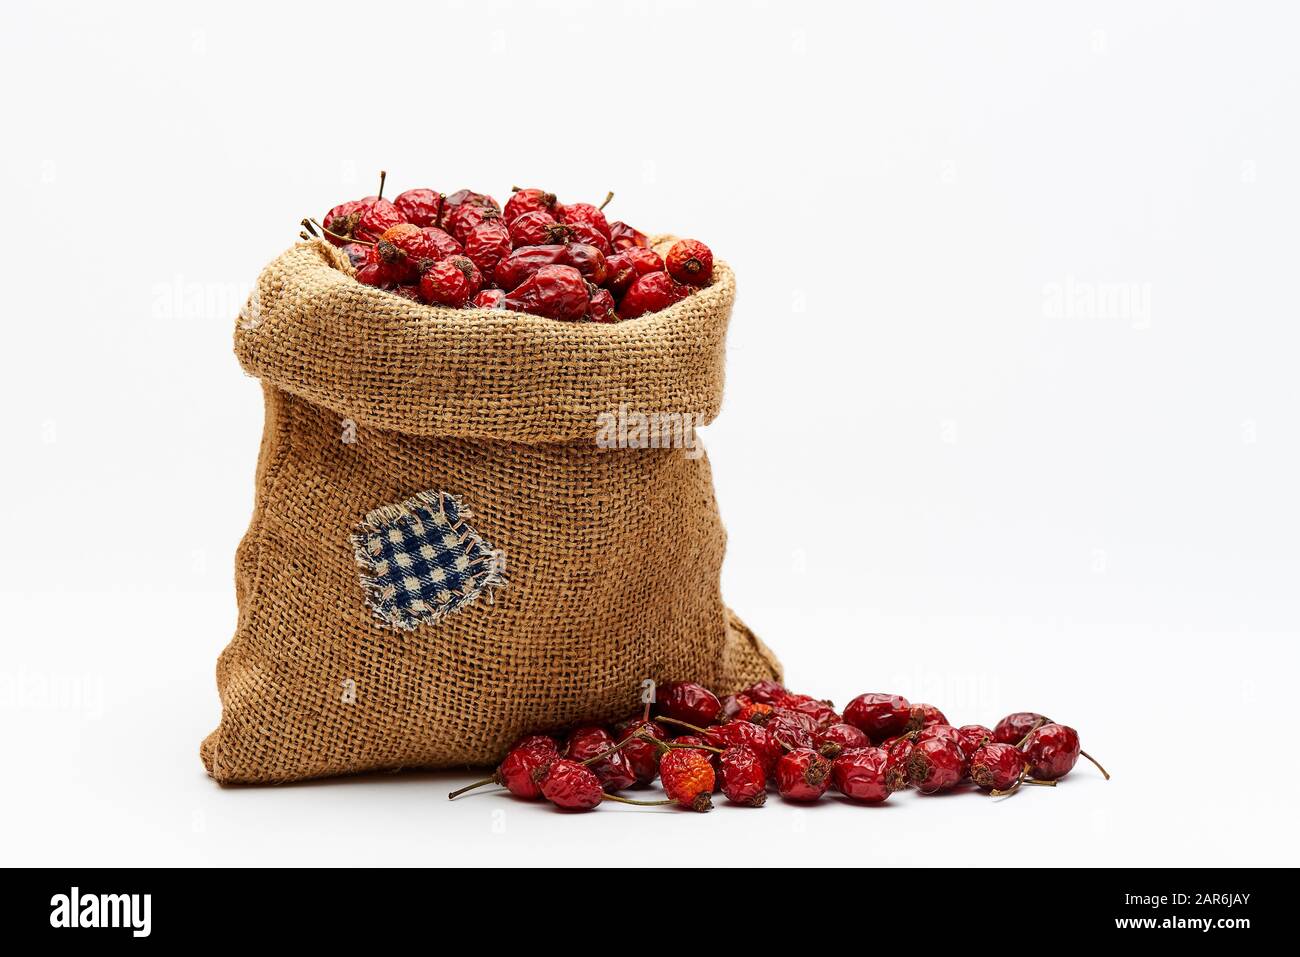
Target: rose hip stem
685	724
1103	771
382	176
470	787
608	196
329	232
623	800
1037	725
1023	779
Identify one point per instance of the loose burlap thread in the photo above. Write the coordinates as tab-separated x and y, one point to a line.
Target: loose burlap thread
613	555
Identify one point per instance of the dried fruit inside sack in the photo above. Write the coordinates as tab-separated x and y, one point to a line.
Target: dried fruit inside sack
395	245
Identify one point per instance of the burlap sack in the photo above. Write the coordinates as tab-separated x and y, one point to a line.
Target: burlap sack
566	573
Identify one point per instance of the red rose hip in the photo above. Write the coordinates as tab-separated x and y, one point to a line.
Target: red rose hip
879	716
487	244
555	292
651	293
523	201
840	737
444	284
622	236
860	774
997	767
600	307
1052	750
744	780
689	261
803	775
592	741
420	206
1013	728
570	786
936	765
687	701
688	778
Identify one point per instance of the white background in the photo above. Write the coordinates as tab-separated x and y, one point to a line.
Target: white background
1011	416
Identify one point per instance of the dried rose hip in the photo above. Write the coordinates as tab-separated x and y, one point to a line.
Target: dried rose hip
490	299
768	692
359	254
538	229
588	260
1052	750
570	786
900	752
754	711
747	734
859	774
600	306
445	284
744	780
1012	728
556	292
487	244
591	741
439	244
791	729
835	738
689	261
524	201
622	236
935	765
379	274
524	764
472	276
518	772
341	221
973	737
651	293
465	217
463	196
939	732
589	234
420	206
573	213
803	775
879	716
375	218
543	741
687	701
820	711
688	778
624	269
996	767
642	755
403	247
520	265
924	715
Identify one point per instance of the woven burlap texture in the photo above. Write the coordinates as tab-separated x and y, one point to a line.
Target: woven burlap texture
612	555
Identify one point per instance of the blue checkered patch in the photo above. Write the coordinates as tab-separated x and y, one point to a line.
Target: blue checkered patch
421	561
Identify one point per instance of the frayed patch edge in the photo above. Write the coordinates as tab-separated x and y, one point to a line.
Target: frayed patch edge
379	519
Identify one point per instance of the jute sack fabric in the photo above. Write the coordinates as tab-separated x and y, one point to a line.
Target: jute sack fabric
395	431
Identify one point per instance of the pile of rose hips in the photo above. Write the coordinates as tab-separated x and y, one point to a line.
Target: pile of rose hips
537	255
767	735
